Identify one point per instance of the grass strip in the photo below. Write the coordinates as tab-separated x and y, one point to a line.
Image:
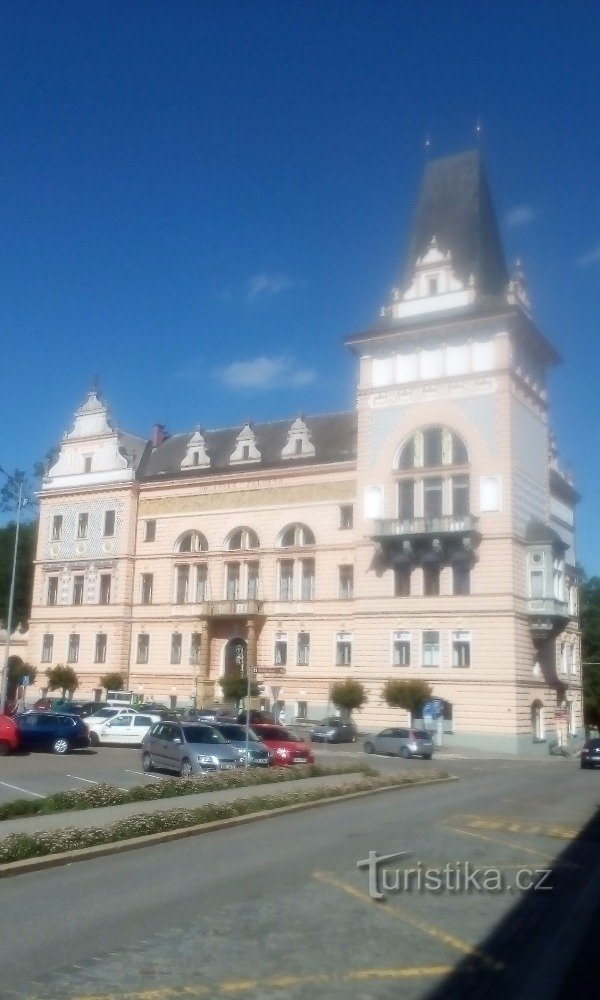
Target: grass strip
20	846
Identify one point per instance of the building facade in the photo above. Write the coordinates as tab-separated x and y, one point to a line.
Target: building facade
428	533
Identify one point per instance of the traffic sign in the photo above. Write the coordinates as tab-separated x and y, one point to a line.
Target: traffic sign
434	708
25	680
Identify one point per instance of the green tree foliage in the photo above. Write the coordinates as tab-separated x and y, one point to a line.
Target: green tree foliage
407	694
17	670
348	695
590	649
24	572
235	688
62	678
113	681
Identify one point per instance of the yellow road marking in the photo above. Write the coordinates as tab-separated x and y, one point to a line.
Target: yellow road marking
232	986
389	911
504	843
510	825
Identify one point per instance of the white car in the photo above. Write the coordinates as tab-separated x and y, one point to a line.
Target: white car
126	730
102	716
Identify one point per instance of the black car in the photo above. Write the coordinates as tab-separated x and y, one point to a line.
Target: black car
52	731
257	717
81	708
334	730
590	754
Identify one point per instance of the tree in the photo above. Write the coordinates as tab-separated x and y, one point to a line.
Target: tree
24	570
113	681
589	604
62	677
408	694
17	670
348	695
235	688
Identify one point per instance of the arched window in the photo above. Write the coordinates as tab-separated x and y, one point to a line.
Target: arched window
445	490
296	535
191	541
432	447
242	538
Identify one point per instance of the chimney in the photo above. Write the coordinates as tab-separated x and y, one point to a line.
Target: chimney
159	434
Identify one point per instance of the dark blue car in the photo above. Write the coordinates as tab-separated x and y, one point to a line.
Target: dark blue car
52	731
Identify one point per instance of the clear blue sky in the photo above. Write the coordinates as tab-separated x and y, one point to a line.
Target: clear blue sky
200	200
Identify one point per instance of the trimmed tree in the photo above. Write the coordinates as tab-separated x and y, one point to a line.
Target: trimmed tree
113	681
407	694
62	678
235	688
17	670
348	695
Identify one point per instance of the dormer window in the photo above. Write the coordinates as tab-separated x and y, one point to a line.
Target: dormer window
298	444
246	449
87	463
432	286
245	452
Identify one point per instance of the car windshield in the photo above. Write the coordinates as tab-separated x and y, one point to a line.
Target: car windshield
106	713
231	732
420	734
202	734
278	733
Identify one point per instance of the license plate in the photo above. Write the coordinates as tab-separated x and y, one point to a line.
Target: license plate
227	767
299	760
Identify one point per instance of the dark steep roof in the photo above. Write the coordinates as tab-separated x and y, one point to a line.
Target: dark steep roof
333	436
456	207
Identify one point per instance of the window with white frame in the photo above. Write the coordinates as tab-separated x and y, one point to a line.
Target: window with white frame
303	650
195	644
78	586
280	652
401	648
242	538
232	581
286	580
52	590
176	647
82	525
252	581
346	516
57	527
182	584
105	587
431	649
302	710
201	582
147	587
87	463
296	536
346	582
461	649
143	647
73	648
47	647
307	579
100	648
343	649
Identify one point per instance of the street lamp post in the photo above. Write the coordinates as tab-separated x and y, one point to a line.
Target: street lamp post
243	665
11	597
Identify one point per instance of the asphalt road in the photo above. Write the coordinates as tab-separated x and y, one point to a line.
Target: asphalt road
279	909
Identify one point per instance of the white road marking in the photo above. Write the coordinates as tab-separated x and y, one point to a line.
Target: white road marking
25	790
77	778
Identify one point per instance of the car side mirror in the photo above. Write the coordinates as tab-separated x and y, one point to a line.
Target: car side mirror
177	740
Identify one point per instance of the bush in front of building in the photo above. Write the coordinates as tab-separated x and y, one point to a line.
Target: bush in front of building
348	695
407	694
62	678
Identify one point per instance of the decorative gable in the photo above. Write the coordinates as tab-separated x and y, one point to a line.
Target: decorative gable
434	286
299	444
196	456
245	449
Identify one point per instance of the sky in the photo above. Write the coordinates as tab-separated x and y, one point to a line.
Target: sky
200	201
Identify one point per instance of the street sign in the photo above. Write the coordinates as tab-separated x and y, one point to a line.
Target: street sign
434	708
25	680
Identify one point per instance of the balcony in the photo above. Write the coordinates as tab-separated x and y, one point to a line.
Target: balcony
409	539
547	617
230	609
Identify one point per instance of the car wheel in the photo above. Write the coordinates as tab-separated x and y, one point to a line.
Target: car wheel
584	765
186	768
369	748
94	740
147	765
426	756
404	752
61	745
4	748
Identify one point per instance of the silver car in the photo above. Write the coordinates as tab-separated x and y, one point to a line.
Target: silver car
187	748
401	742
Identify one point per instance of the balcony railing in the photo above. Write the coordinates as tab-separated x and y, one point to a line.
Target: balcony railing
230	609
548	606
404	527
547	617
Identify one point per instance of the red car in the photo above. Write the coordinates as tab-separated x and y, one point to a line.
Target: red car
287	748
9	734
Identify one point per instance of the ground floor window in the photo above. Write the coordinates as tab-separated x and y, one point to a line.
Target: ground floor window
302	710
343	649
461	649
100	648
401	649
537	721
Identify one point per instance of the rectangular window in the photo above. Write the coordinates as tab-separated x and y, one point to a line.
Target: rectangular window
302	710
406	499
432	447
431	580
109	523
346	582
343	649
252	581
182	582
461	578
87	463
433	497
47	648
201	582
143	647
100	648
286	580
232	581
431	649
195	648
52	590
150	531
401	649
402	580
303	656
281	644
57	527
147	585
461	649
78	585
346	516
176	647
460	496
82	525
307	582
73	648
536	583
105	585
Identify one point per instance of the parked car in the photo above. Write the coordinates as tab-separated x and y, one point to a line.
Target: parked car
9	734
123	730
81	708
257	717
210	714
48	704
187	748
102	716
287	748
590	754
259	754
402	742
156	708
52	731
334	730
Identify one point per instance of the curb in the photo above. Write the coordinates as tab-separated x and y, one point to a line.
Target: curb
29	865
